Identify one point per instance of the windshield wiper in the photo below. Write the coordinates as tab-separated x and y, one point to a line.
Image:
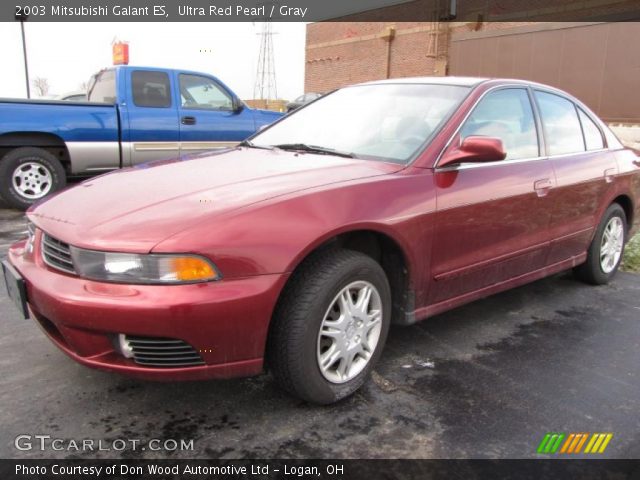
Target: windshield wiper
247	143
303	147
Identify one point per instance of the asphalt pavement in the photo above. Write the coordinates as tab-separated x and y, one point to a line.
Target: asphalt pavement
487	380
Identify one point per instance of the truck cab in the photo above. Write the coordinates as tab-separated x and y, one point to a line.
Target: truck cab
132	115
171	113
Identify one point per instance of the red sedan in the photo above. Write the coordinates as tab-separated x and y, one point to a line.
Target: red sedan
386	202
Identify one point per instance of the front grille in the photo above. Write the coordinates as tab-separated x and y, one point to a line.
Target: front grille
162	352
57	254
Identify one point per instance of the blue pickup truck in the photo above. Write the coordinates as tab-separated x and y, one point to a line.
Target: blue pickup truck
133	115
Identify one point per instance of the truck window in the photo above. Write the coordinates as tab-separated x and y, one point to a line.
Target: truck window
151	89
104	87
202	92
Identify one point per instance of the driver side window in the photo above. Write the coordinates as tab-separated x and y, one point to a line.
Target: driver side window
202	92
507	115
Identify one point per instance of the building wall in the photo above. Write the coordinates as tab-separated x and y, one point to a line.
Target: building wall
275	105
598	62
339	54
594	62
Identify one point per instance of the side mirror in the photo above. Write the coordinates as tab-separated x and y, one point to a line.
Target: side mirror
238	105
475	149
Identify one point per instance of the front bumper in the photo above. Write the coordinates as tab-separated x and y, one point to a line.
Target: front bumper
225	321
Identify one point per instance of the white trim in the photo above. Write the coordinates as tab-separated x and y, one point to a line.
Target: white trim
164	146
206	145
154	146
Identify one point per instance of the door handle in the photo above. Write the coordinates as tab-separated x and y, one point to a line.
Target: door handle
542	186
188	120
609	173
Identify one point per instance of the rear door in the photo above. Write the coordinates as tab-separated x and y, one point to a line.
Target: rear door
584	168
208	119
152	116
492	218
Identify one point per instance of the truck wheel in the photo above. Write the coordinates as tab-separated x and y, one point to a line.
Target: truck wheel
606	249
330	326
28	174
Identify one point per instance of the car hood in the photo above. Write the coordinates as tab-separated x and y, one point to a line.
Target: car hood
133	210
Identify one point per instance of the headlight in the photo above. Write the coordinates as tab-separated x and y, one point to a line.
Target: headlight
145	269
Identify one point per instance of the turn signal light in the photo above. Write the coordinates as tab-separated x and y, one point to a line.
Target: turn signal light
189	269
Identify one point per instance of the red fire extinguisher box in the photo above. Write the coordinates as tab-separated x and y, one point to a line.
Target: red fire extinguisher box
120	53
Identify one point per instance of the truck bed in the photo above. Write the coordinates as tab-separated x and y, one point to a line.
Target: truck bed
65	124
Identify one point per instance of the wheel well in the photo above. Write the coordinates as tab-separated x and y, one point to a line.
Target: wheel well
386	251
47	141
627	206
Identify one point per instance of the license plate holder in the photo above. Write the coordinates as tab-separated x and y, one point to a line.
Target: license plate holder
16	287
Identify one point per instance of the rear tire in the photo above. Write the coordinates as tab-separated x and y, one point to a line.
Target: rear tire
606	249
330	326
28	174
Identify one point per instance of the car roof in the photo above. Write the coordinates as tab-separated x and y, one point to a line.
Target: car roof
469	82
461	81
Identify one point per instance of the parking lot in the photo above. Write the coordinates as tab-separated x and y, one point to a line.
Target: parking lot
485	380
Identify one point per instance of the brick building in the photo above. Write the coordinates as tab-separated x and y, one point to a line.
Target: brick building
596	61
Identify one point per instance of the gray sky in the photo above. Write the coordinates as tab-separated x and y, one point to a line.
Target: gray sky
67	54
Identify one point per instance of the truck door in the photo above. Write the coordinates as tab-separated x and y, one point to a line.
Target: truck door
152	132
210	115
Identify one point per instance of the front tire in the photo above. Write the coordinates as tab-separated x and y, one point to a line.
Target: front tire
606	249
28	174
330	326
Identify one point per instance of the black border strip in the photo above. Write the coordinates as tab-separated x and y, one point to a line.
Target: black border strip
313	11
335	469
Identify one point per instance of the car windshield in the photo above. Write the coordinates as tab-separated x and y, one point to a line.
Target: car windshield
387	122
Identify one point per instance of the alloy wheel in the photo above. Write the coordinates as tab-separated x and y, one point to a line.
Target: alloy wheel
350	332
32	180
612	243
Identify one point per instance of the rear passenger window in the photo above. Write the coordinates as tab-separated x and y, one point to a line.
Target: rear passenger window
151	89
507	115
561	125
103	89
592	135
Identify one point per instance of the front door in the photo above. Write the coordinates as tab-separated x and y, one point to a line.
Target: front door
492	218
208	119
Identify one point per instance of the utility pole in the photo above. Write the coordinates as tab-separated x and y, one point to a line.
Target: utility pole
22	19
